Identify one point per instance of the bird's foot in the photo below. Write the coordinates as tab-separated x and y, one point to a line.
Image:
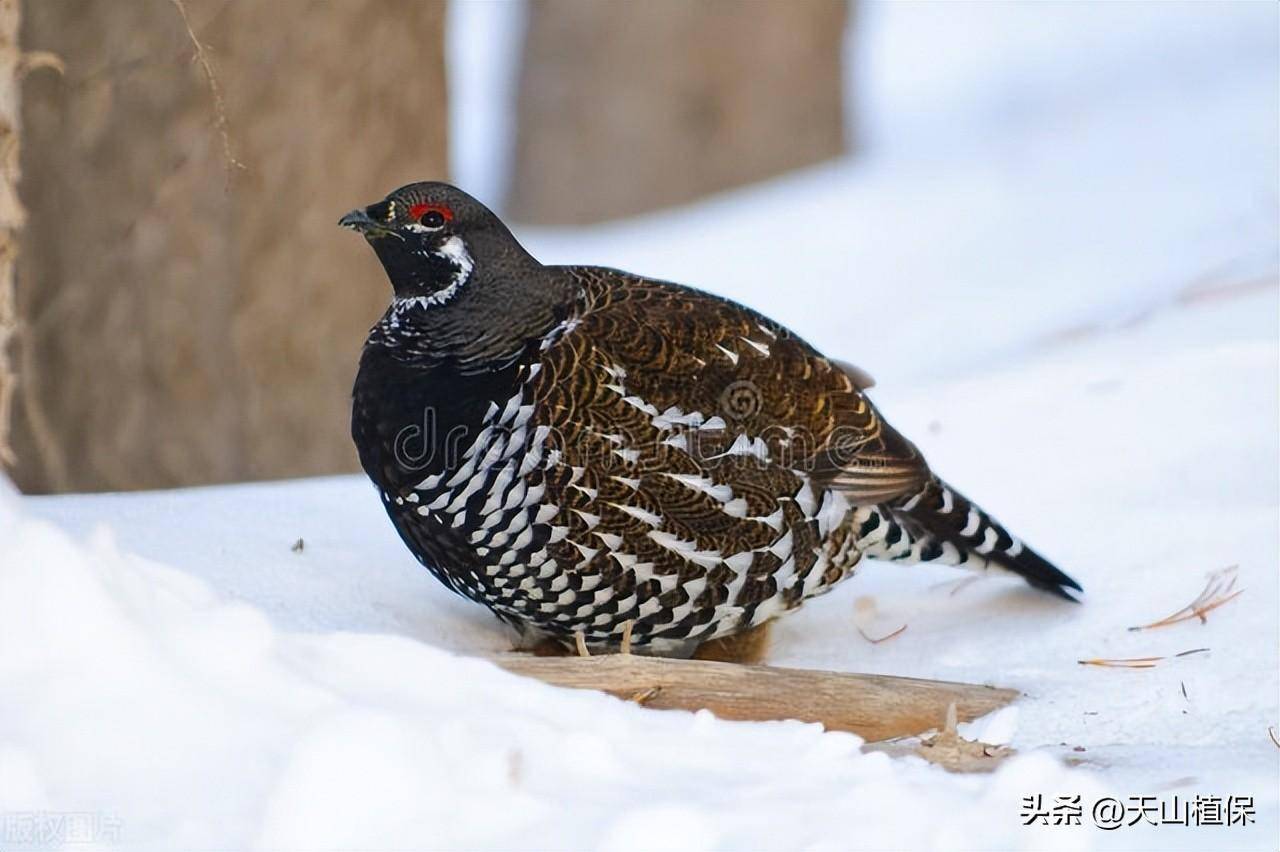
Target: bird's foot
747	648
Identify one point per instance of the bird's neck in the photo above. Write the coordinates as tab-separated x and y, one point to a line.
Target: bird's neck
488	317
422	276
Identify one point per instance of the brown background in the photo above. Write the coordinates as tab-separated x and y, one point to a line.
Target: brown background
629	107
185	319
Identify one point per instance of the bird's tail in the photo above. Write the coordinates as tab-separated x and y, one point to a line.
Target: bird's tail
939	524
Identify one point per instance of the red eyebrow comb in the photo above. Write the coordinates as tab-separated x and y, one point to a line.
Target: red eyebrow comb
419	210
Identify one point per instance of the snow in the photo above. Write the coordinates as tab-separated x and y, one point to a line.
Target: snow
483	45
1046	206
199	720
1070	304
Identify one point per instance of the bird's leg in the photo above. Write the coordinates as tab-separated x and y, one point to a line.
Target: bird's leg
748	647
527	639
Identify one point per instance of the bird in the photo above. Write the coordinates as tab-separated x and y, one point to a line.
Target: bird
603	458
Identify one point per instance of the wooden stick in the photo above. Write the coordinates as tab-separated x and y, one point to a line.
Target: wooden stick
875	707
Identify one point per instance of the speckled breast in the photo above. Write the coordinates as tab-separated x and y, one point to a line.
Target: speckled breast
554	524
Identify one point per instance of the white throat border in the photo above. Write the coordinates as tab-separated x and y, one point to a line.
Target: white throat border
453	249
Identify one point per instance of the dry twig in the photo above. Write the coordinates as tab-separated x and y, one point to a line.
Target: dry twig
219	105
1217	591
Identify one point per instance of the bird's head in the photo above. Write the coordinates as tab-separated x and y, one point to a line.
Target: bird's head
426	235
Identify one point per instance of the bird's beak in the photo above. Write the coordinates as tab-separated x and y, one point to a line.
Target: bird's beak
358	220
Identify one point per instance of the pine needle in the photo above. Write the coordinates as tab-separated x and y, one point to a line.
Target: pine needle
1137	662
1124	663
884	638
1220	588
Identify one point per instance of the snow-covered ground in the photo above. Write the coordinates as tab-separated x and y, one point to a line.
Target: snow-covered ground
1058	257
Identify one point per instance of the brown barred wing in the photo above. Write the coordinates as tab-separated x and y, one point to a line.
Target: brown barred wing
691	486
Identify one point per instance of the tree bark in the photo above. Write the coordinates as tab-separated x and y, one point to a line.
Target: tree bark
875	707
11	213
190	311
629	107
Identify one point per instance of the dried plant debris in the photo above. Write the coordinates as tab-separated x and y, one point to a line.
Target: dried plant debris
953	752
884	638
644	696
957	585
1271	732
515	767
1123	662
1220	588
1139	662
868	621
219	104
298	546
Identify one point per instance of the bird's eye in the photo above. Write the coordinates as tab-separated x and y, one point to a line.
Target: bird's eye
431	216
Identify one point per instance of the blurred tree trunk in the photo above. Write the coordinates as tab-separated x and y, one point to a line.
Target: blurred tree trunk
628	107
11	213
188	309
